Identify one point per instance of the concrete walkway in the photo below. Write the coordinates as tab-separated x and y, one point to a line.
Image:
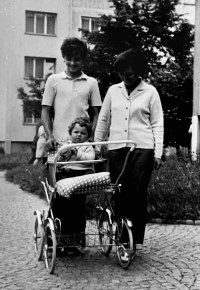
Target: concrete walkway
169	258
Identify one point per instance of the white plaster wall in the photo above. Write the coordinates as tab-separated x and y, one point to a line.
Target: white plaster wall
77	13
93	4
15	44
187	7
3	72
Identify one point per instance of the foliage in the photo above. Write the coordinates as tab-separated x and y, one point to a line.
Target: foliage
32	98
18	171
1	151
13	160
175	87
167	40
173	193
28	178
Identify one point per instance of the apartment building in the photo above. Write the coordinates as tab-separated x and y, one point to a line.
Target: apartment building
31	34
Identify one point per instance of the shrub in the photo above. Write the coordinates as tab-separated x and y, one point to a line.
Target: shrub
20	172
174	192
1	150
13	160
28	177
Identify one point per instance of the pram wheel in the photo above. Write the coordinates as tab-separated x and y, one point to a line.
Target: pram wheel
105	233
39	239
50	248
124	242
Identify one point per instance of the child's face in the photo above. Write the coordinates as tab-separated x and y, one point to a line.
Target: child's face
74	64
79	134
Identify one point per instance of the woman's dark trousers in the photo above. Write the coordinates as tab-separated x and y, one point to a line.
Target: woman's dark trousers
131	199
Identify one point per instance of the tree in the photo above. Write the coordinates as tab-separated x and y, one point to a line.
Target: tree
166	38
32	96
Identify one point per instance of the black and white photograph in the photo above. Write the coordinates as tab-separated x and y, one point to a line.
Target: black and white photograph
100	145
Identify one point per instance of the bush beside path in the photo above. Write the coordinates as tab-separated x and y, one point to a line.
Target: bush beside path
174	191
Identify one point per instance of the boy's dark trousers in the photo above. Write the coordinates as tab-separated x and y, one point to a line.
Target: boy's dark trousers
131	200
71	211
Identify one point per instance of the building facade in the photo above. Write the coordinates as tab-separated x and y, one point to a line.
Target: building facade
187	8
31	35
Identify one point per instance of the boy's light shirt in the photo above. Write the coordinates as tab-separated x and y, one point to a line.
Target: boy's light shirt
70	99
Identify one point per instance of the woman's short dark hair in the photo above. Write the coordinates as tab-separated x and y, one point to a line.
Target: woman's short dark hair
83	122
131	58
73	46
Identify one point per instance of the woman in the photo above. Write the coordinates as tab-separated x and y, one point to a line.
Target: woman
132	110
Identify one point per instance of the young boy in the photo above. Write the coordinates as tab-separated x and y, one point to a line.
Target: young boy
80	131
72	211
71	93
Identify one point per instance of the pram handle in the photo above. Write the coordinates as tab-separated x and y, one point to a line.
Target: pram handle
72	145
81	162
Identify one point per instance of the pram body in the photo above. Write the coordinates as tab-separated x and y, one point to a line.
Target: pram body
63	225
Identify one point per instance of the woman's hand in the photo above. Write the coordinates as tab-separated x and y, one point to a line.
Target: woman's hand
157	163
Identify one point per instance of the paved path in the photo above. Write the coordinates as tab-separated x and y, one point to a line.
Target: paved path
169	258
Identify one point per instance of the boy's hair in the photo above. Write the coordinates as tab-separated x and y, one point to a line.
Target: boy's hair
73	46
133	58
83	122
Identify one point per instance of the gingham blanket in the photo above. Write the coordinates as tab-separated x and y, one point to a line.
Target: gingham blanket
84	184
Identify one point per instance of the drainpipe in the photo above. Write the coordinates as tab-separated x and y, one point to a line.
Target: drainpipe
196	85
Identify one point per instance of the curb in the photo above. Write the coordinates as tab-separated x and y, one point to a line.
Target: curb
172	222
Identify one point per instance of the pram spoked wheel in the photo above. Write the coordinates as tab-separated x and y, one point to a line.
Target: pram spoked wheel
105	233
38	239
124	242
50	247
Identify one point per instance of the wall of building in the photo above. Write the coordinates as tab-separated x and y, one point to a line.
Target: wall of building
92	4
89	9
15	45
187	8
3	72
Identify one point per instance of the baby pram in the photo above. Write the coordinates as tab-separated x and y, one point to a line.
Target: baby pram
63	227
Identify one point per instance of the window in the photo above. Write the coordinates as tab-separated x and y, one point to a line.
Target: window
40	23
30	118
38	67
90	23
